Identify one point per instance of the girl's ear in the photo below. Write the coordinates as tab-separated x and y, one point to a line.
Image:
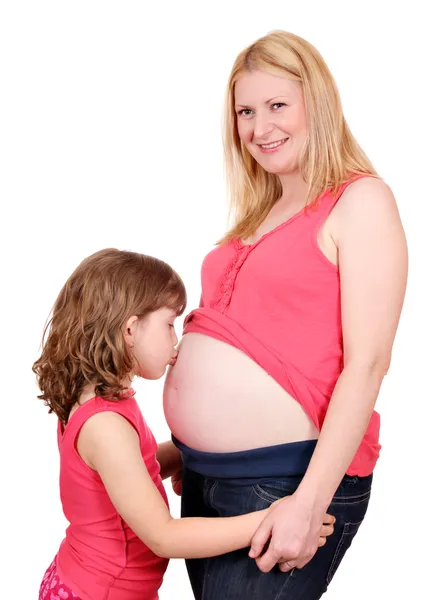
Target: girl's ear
129	332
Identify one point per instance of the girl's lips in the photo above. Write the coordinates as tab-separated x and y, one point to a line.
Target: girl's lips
173	360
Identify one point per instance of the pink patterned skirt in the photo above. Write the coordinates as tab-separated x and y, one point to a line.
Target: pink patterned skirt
52	587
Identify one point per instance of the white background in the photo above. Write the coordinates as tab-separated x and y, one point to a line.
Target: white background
111	137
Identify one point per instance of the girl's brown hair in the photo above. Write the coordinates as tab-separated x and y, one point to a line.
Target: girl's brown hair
83	341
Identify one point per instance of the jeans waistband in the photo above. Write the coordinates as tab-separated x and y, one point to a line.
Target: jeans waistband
283	460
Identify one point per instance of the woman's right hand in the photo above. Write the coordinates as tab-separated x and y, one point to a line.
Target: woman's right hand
326	529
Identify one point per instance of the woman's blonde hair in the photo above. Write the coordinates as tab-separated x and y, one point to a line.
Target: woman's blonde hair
85	342
331	154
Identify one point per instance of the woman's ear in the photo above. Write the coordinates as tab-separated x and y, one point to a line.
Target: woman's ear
130	331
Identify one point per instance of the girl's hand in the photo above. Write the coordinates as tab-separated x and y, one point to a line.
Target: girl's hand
177	482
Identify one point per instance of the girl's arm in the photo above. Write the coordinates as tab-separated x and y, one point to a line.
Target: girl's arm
109	444
169	458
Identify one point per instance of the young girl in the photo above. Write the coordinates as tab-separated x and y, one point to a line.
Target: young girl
113	320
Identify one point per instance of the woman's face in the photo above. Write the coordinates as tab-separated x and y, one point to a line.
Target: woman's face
271	120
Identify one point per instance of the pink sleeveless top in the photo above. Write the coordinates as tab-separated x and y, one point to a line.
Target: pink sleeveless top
278	300
101	558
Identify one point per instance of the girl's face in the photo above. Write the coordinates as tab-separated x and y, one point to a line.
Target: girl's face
271	120
152	342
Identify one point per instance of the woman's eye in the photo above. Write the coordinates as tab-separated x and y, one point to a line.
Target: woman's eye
278	105
245	112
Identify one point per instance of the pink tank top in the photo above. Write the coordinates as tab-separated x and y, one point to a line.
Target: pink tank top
278	300
101	558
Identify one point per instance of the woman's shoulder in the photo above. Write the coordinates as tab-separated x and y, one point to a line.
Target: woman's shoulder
366	190
366	197
367	210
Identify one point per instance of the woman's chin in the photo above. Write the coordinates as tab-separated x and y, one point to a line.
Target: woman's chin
278	167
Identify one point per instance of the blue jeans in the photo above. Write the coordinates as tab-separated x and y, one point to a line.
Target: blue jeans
235	576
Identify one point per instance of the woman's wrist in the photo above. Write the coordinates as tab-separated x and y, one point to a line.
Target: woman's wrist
312	497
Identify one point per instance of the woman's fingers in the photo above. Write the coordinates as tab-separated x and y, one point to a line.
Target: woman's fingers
287	566
260	539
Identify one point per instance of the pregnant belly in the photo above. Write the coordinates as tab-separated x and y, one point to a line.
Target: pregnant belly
217	399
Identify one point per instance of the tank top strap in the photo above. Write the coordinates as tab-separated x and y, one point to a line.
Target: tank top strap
127	407
329	199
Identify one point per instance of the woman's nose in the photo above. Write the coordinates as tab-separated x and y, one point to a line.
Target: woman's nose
263	126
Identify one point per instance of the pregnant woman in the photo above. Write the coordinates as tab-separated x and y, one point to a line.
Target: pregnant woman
279	369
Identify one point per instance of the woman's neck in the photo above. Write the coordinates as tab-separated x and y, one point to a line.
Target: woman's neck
294	189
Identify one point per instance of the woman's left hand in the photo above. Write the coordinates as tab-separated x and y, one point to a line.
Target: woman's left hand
293	531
